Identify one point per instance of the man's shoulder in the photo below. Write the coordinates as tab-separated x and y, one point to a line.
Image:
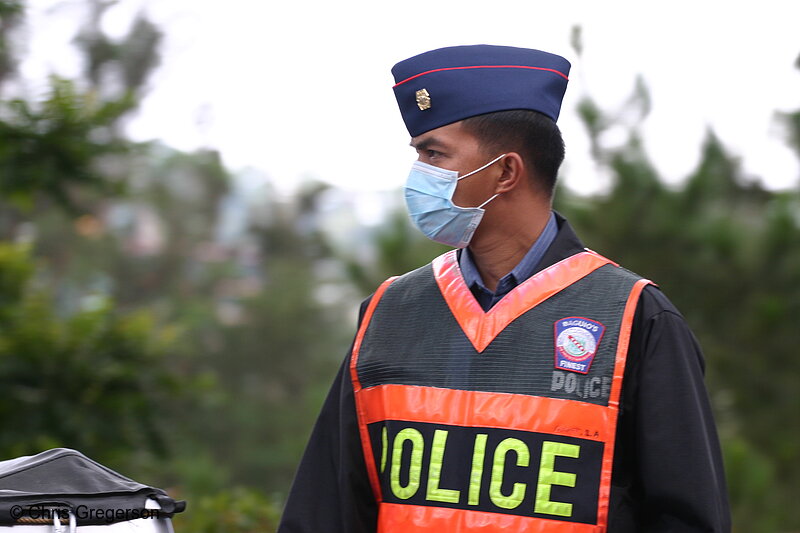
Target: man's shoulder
413	280
654	302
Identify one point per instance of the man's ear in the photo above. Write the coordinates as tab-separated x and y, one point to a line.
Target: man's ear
513	173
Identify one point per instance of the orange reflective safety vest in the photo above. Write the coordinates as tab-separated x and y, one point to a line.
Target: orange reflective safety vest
494	421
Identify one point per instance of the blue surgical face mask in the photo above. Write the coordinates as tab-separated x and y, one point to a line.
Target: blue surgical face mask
429	196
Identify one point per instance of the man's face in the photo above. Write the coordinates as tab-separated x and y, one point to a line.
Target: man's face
452	148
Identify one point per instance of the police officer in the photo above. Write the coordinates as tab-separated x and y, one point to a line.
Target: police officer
520	382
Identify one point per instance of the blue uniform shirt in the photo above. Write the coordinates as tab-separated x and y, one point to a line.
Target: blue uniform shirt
524	269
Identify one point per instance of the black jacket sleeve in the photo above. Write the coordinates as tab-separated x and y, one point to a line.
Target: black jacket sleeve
331	492
668	473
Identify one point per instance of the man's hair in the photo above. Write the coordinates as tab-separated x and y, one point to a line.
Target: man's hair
531	134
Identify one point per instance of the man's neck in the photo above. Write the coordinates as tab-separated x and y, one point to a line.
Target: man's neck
497	255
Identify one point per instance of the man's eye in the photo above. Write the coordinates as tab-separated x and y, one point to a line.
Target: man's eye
432	153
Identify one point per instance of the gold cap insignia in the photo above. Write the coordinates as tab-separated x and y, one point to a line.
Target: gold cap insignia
423	99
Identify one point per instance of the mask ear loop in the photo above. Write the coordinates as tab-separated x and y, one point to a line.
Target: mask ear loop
492	162
489	200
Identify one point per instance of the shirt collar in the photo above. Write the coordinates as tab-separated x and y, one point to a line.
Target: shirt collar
524	269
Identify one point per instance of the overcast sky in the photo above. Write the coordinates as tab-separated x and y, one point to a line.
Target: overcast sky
303	88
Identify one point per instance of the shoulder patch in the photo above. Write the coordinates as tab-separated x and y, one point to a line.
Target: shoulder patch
576	343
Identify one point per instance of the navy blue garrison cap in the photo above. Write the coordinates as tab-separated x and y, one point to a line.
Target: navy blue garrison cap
450	84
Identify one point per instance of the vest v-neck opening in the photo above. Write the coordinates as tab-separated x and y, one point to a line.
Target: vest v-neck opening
481	327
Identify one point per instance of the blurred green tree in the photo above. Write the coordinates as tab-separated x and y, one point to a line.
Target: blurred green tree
238	509
104	246
77	372
10	14
253	338
94	380
274	344
50	147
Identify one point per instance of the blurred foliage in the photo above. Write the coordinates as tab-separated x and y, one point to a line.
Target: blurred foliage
272	346
122	65
184	330
10	15
239	509
93	380
51	146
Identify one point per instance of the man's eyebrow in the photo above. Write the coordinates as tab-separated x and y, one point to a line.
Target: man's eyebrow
424	144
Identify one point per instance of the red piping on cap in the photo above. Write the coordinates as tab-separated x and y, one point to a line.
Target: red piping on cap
480	66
